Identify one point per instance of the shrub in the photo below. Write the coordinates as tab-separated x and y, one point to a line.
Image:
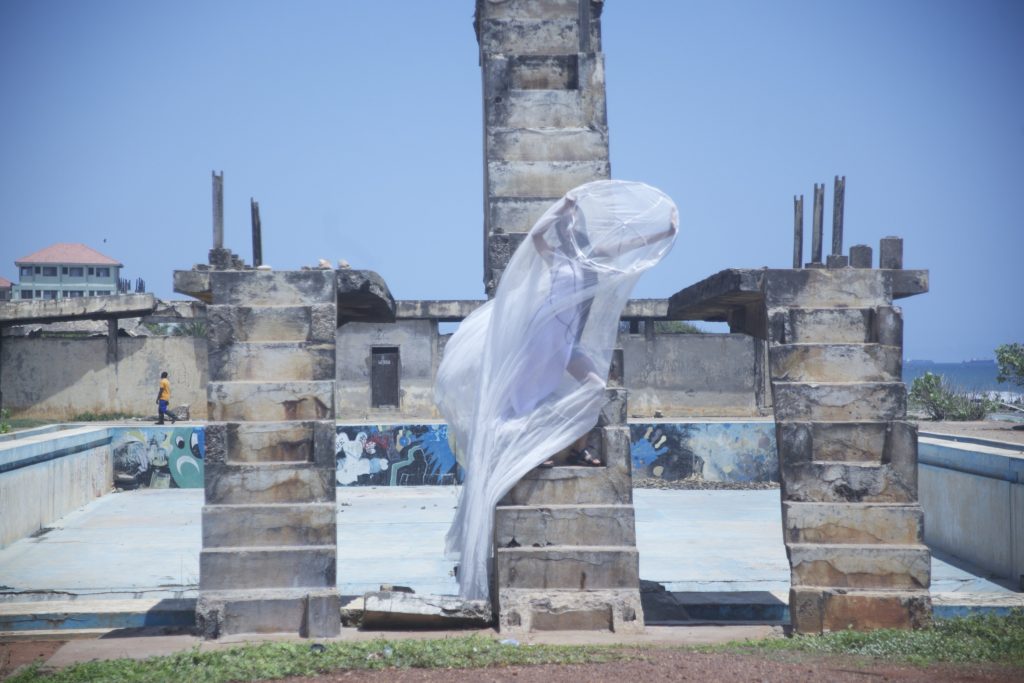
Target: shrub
941	401
1010	358
5	425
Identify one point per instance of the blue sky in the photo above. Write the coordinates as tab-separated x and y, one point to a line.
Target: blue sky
357	126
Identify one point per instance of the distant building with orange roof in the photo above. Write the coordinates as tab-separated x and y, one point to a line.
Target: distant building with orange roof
66	270
5	288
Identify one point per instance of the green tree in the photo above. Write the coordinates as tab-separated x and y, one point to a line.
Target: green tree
1010	358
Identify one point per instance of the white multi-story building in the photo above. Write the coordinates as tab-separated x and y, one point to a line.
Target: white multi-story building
66	270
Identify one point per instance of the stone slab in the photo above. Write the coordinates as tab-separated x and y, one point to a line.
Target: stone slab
395	610
821	325
231	324
547	144
810	482
835	363
567	567
538	9
602	525
272	361
254	568
538	109
311	614
860	523
821	610
542	178
551	36
304	524
517	214
270	401
271	442
874	566
548	72
567	485
273	288
228	484
839	401
525	611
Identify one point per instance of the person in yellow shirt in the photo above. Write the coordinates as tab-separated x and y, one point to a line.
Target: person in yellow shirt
163	397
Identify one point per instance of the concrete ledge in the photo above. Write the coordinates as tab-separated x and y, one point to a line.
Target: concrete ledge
88	308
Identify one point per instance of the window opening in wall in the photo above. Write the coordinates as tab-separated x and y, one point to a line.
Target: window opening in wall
50	271
103	272
26	271
75	271
384	372
92	271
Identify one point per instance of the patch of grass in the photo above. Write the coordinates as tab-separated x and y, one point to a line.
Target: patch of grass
277	660
975	639
90	416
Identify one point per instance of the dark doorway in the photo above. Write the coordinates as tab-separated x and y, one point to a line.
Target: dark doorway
384	377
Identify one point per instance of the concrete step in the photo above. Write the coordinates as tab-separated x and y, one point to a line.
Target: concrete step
858	523
814	610
534	36
617	610
839	401
232	324
228	484
877	443
567	567
546	72
542	178
233	526
881	324
538	9
835	362
303	612
281	567
866	566
547	144
273	288
840	482
539	109
272	361
270	401
517	214
541	526
572	485
271	442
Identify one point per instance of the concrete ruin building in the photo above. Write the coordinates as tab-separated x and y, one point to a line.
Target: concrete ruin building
286	354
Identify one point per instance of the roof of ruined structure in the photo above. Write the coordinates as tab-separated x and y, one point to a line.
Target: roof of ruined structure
69	252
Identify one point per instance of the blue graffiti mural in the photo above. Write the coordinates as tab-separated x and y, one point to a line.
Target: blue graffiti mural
159	457
715	451
396	455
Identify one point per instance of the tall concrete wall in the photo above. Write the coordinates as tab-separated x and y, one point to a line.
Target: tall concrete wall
692	375
53	378
676	375
417	343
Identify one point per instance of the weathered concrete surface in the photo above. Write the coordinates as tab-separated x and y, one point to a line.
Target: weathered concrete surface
69	482
89	308
571	567
266	567
56	379
269	483
272	361
363	296
839	401
868	566
307	613
536	526
234	324
235	526
818	610
437	310
836	363
270	401
529	611
391	610
269	442
860	523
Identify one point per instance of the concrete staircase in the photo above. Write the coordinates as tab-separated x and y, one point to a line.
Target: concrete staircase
268	562
546	128
565	542
851	521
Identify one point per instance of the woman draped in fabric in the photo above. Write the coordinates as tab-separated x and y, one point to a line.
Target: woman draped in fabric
524	375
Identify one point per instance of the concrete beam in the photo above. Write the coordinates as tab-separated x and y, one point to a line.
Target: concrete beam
81	308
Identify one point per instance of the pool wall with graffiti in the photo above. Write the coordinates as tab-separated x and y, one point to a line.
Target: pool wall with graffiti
158	457
423	455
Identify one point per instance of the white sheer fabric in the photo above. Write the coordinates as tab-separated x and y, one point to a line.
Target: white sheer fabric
524	375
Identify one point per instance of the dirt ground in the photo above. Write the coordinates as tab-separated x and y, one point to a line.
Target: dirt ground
650	664
988	429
